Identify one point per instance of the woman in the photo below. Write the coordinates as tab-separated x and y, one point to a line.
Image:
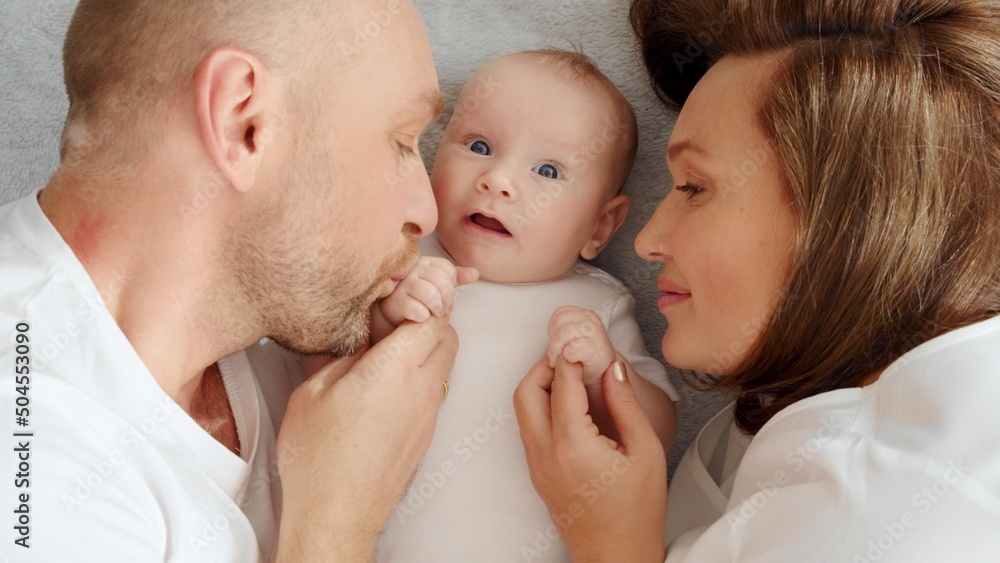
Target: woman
831	251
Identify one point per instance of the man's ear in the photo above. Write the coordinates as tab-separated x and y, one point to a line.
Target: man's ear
610	220
231	97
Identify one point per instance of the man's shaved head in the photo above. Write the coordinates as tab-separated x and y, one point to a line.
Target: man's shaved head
124	60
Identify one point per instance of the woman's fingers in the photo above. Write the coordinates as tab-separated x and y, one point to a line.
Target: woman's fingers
533	408
570	405
634	428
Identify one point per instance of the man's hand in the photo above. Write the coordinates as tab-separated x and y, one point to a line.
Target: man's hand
579	336
360	426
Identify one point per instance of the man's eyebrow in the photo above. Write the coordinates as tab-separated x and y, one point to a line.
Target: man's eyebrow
675	149
429	104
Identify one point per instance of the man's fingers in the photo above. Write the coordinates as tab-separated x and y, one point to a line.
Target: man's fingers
335	369
410	344
441	359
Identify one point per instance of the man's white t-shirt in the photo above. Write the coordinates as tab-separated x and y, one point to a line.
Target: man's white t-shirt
472	498
117	470
904	470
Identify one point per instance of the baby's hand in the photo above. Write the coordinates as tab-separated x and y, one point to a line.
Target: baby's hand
428	290
578	335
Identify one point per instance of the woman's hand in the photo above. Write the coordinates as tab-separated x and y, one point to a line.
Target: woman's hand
608	499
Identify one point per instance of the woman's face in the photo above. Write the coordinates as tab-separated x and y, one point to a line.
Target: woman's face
725	233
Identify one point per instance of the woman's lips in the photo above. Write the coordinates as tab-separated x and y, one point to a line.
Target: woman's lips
671	299
671	293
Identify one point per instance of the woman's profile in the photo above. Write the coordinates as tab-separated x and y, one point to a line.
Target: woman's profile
848	291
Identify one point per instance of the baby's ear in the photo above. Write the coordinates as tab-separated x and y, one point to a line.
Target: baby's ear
608	222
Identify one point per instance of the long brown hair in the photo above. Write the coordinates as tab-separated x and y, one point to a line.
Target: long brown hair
885	118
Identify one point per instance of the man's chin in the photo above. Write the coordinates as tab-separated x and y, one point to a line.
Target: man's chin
339	337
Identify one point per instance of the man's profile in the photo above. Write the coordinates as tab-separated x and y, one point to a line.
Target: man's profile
230	171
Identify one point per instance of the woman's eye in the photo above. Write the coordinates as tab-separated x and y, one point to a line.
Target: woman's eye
690	190
547	171
479	147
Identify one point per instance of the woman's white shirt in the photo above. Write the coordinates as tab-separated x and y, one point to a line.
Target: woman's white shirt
905	469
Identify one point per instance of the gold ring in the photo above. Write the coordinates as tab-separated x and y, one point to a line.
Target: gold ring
445	390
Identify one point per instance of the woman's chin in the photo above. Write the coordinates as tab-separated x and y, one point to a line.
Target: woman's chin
687	355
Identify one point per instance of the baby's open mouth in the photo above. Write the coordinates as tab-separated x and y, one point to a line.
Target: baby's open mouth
489	223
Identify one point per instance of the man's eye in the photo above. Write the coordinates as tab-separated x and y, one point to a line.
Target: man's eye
547	171
690	190
479	147
406	151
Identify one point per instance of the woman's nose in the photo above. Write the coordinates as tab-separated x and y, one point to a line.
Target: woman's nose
653	241
498	184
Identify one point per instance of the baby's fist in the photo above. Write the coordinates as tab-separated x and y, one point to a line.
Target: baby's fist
428	290
578	335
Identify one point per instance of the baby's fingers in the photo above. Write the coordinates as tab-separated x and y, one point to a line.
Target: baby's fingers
466	275
426	295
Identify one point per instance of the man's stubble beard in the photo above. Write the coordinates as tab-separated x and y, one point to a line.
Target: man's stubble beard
310	301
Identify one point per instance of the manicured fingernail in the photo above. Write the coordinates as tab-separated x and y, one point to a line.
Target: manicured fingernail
621	373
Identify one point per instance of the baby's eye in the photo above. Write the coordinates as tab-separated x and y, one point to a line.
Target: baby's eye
479	147
547	171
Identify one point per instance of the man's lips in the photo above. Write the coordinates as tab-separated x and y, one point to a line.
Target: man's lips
404	272
486	223
389	285
671	293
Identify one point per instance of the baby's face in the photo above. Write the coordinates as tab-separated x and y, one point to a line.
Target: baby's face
523	171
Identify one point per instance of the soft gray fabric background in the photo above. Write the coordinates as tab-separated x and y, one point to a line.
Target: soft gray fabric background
463	35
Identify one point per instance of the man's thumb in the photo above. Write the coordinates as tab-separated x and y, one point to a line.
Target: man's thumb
337	368
631	421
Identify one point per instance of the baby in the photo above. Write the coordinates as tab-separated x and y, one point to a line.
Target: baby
527	180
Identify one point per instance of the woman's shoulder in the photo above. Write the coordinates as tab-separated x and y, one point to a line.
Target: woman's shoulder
912	457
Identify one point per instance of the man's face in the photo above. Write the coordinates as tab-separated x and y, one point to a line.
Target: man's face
518	189
351	192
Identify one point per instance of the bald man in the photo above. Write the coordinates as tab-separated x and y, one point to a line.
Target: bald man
230	171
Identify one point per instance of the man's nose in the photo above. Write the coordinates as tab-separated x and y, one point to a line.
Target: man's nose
421	209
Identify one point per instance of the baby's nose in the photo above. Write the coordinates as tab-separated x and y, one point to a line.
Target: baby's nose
497	185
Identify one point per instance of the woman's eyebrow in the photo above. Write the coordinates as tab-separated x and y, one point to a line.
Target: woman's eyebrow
675	149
